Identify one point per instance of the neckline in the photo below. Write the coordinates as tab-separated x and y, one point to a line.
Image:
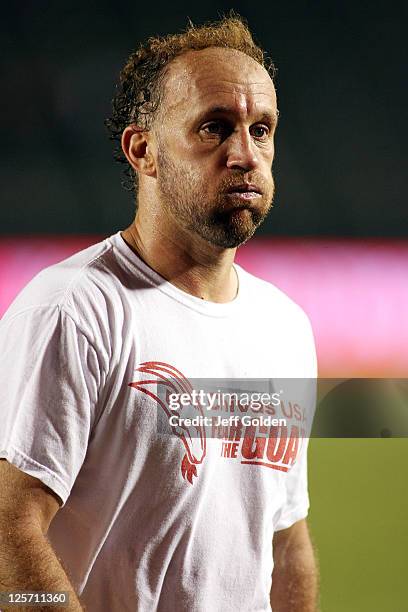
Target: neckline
186	299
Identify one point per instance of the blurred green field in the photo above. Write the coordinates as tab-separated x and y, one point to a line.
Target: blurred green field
359	523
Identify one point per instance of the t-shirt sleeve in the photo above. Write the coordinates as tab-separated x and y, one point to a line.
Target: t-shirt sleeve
296	501
296	504
49	381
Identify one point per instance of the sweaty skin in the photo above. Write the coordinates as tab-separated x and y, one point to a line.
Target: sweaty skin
215	130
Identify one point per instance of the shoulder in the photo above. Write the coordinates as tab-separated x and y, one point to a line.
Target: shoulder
280	320
267	297
80	286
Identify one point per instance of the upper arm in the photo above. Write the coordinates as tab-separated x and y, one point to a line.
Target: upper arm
295	572
293	539
25	498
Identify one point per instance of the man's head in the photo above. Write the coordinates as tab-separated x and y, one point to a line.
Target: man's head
197	130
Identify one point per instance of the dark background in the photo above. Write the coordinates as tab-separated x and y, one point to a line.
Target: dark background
341	144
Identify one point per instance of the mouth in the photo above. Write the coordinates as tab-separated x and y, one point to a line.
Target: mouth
245	191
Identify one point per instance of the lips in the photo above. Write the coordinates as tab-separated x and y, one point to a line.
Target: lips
245	188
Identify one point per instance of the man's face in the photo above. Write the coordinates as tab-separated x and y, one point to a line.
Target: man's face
215	145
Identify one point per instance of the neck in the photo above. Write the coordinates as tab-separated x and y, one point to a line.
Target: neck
185	260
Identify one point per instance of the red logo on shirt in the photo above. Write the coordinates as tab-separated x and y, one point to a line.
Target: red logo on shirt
275	447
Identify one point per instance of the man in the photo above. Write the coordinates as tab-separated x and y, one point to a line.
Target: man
94	501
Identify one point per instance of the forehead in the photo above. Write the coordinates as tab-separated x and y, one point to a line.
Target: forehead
218	77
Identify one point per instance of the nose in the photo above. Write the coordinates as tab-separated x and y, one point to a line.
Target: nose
241	153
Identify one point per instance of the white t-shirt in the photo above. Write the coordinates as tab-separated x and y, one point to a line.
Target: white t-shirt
148	522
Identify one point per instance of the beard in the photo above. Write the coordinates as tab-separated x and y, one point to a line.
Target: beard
222	219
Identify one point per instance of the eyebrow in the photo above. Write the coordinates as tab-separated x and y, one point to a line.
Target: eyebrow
229	110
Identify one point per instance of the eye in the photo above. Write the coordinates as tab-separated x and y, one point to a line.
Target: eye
217	129
260	131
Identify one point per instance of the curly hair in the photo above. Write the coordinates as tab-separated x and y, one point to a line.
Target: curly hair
140	88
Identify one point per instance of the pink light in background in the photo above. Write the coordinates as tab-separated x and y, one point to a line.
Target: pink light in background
355	292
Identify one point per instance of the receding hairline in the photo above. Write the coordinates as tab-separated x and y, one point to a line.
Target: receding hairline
179	70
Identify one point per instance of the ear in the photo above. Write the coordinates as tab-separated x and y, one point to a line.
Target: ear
135	146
